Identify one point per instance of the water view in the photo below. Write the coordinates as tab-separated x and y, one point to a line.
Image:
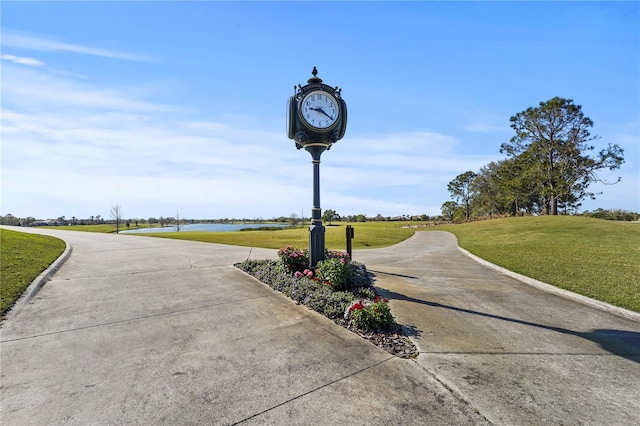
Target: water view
207	227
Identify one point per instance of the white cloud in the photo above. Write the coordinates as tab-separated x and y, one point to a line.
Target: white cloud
33	89
22	60
43	43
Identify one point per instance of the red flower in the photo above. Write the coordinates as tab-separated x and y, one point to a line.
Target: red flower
356	306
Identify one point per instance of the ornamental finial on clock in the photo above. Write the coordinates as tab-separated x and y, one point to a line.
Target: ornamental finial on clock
315	79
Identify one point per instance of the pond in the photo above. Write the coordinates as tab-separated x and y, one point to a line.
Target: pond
206	227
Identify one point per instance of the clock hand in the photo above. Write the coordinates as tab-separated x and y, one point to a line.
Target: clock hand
320	110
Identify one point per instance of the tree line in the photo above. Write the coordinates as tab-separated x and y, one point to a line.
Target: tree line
550	164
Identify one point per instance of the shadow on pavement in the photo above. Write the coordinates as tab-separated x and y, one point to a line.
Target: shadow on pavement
623	343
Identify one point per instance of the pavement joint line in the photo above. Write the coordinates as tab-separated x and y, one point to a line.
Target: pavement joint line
178	311
314	390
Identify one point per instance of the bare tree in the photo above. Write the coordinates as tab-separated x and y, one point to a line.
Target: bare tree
116	214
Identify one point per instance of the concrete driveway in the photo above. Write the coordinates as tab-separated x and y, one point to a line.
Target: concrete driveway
135	330
515	353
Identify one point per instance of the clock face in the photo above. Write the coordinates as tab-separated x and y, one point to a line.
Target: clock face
319	109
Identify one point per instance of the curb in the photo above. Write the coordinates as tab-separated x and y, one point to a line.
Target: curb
635	316
41	280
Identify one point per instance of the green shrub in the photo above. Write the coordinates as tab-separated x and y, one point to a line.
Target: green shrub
613	214
337	304
375	315
294	259
336	271
364	292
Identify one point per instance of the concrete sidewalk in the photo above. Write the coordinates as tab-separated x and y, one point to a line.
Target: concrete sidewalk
135	330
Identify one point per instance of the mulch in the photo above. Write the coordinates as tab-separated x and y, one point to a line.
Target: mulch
394	341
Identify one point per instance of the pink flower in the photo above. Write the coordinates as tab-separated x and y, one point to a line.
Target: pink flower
299	274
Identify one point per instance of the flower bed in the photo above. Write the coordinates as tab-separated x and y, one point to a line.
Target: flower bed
339	289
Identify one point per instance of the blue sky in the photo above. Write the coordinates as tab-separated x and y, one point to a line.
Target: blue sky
165	107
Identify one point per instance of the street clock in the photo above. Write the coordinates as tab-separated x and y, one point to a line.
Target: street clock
316	119
316	114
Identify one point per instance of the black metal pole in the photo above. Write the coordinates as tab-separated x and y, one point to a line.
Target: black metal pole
316	229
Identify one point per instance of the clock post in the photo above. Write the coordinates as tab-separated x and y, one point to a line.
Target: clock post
316	119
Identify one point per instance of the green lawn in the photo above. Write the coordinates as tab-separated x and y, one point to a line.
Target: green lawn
22	258
366	235
593	257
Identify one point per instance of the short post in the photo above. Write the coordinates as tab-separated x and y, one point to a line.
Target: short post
350	235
